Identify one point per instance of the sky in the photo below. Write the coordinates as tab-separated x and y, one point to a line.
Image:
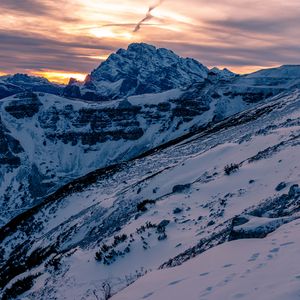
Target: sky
69	38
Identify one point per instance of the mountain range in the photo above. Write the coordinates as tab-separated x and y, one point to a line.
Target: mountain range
151	161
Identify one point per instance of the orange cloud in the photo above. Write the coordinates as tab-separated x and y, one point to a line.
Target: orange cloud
241	35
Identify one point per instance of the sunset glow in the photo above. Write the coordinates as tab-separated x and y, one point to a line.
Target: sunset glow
75	36
60	77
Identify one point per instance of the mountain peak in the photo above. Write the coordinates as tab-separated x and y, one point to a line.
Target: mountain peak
138	47
141	69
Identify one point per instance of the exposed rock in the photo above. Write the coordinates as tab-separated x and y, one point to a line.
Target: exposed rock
280	186
177	210
180	188
294	191
257	227
161	227
26	106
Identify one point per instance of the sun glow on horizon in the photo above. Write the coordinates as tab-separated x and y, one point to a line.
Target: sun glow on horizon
60	76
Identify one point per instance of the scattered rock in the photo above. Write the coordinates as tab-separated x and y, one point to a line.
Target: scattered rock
239	220
180	188
177	210
294	191
210	223
280	186
161	227
162	236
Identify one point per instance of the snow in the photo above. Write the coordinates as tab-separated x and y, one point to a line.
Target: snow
285	71
60	162
212	196
262	138
243	269
143	69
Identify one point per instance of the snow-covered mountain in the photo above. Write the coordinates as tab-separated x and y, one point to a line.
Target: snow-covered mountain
50	140
17	83
141	69
235	180
95	194
283	72
8	89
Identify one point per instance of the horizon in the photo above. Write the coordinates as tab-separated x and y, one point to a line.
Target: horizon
64	78
243	37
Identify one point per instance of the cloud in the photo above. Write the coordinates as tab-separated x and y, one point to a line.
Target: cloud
237	55
256	25
36	7
148	15
229	33
33	52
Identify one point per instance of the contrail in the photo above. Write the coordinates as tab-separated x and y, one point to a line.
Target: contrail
148	15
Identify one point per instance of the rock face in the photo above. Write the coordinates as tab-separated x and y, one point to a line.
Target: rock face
9	149
26	105
48	140
141	69
63	139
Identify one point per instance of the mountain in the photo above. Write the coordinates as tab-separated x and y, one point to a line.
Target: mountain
17	83
141	69
209	190
48	141
285	71
221	74
8	89
96	194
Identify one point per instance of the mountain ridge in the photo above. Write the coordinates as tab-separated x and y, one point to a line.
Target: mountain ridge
98	192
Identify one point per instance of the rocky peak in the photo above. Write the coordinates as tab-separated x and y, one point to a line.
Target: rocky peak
141	57
141	69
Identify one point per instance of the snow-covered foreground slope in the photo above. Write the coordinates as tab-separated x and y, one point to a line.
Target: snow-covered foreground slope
163	209
243	269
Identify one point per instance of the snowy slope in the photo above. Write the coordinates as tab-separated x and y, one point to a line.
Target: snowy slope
285	71
192	206
8	89
243	269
